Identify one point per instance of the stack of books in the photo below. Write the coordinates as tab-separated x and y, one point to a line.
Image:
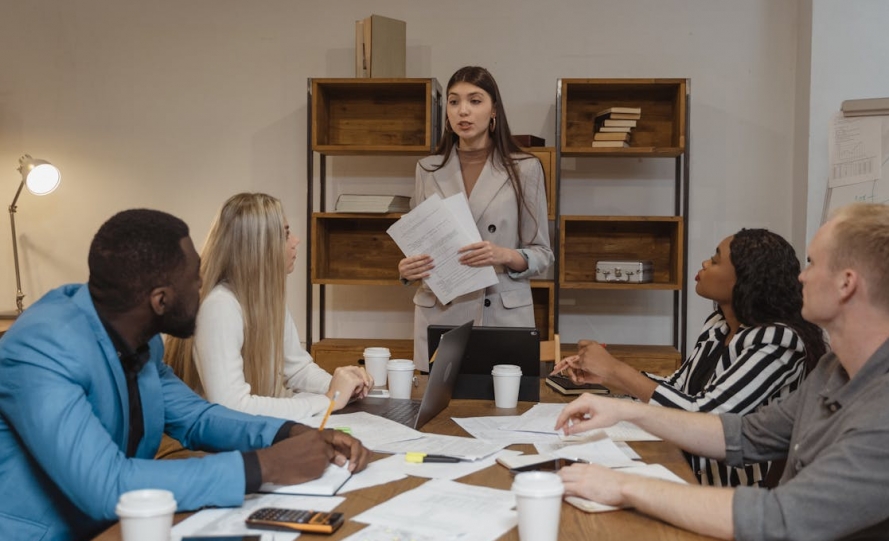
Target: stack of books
612	126
373	203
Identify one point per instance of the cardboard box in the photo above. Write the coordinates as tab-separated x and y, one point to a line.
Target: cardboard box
380	47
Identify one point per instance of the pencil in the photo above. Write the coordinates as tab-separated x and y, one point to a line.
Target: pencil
329	410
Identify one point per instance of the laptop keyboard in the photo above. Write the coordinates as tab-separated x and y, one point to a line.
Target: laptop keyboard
403	412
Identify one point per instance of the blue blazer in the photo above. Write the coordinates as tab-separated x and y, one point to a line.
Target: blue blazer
64	418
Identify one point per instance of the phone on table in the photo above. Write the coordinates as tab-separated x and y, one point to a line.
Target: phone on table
295	520
553	465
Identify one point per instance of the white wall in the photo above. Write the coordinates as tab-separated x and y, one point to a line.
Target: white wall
850	56
177	105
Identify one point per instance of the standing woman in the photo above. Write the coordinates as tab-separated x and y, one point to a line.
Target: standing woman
246	353
478	157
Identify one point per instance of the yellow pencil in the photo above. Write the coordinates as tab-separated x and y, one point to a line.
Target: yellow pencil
329	410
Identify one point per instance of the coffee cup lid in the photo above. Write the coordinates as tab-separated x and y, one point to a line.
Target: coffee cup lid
376	351
506	370
146	502
538	484
400	364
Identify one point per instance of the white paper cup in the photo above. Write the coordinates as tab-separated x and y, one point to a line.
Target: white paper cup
375	360
146	515
401	377
538	498
506	385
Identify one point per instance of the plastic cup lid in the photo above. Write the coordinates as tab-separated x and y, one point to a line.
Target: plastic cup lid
400	364
147	502
376	351
538	484
506	370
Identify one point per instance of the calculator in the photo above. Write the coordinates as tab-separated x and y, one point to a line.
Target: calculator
274	518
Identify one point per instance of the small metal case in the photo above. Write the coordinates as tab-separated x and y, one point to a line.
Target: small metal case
633	272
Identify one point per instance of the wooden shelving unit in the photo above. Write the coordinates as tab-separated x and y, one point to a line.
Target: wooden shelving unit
581	241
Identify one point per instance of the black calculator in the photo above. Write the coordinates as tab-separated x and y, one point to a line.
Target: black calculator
294	520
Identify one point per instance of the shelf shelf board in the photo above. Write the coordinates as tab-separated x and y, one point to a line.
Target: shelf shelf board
357	281
613	285
631	152
372	150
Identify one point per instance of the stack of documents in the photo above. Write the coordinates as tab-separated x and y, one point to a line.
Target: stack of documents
373	203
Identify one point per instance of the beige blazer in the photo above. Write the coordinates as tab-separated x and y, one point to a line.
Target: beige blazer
493	205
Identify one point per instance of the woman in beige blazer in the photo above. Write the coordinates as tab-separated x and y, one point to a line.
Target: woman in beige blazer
478	157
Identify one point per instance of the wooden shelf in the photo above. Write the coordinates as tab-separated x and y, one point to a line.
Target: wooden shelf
584	240
375	116
547	157
354	249
661	132
658	360
331	353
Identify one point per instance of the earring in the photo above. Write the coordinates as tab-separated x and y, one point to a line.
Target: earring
493	124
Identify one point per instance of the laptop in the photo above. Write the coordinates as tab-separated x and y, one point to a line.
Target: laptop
442	378
489	346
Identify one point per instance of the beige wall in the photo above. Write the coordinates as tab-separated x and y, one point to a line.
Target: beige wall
178	104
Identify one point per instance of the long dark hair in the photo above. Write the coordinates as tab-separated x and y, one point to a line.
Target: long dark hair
767	287
501	136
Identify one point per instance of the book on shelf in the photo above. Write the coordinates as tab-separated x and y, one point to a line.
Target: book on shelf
603	136
373	203
610	144
614	129
866	107
616	123
565	386
620	113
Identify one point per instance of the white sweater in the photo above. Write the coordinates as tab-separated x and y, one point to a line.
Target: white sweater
218	339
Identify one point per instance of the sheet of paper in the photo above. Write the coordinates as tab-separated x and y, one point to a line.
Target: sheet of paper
855	150
648	470
448	470
447	510
601	451
454	446
386	533
378	472
373	430
230	521
433	228
541	418
327	485
491	429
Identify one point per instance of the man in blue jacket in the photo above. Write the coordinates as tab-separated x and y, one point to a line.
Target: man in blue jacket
85	397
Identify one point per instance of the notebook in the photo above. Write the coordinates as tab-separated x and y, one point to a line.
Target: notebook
328	484
439	389
489	346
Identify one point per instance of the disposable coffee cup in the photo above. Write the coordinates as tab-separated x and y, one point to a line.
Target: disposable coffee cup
375	360
401	377
506	385
538	498
146	515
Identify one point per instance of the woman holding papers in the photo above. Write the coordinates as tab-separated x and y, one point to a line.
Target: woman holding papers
754	349
246	353
477	157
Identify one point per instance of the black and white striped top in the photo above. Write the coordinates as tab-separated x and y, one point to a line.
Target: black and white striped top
760	365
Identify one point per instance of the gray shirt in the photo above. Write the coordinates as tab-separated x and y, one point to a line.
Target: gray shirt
835	434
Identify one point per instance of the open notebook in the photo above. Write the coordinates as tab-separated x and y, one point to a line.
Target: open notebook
648	470
328	484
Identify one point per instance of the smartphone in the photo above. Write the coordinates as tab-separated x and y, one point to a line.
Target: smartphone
294	520
547	465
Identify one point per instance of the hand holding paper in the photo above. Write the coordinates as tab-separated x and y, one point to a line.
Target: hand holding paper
439	228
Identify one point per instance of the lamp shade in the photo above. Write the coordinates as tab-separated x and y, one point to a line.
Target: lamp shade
40	176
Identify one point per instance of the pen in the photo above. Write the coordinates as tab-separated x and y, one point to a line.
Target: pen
329	410
417	458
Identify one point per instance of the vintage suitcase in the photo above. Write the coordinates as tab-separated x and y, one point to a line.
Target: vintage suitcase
634	272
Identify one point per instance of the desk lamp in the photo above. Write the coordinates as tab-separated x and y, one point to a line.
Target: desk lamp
41	178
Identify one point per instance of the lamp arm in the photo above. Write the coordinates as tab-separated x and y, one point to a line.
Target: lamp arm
19	296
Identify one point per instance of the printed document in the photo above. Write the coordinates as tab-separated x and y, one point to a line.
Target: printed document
439	228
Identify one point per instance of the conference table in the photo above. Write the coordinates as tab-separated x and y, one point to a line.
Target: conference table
575	525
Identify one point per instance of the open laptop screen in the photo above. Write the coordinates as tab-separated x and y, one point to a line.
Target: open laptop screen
489	346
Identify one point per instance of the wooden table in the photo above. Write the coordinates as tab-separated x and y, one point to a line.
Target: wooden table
575	524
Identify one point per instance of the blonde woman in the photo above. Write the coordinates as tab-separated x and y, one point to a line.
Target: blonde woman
246	353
